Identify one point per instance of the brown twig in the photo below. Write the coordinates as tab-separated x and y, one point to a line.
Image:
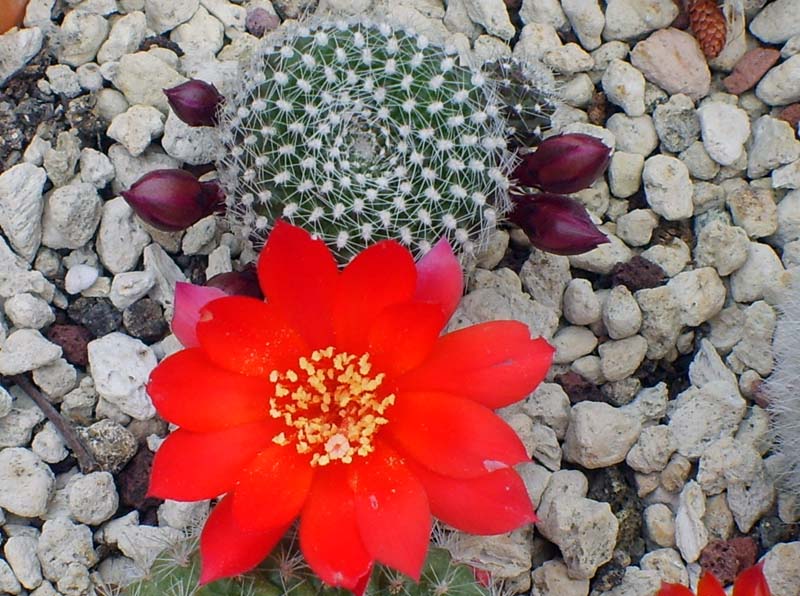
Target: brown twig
86	461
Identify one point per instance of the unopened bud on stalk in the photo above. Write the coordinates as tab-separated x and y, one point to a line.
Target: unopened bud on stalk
564	163
195	102
173	200
555	223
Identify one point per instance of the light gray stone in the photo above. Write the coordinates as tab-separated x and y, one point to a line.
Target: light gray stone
92	498
20	553
21	206
191	144
80	37
603	258
125	37
760	273
552	579
721	246
136	127
659	525
571	343
121	238
691	535
776	22
142	77
163	15
633	134
49	445
625	174
624	86
62	544
492	16
545	277
700	294
26	482
16	50
202	34
587	21
621	314
668	187
652	450
677	123
782	568
71	215
701	416
599	435
631	19
781	85
117	352
672	60
619	359
636	227
28	311
773	145
25	350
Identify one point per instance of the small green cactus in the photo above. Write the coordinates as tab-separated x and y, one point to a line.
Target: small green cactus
360	132
176	570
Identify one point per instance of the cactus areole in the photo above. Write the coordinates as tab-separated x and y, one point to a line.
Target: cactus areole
361	132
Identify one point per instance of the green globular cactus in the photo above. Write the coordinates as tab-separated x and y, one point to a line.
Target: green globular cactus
176	570
360	132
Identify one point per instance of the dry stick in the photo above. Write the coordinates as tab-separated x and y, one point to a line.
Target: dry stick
86	460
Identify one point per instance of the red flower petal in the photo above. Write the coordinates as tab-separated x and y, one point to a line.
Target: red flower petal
452	436
189	300
298	274
494	363
190	391
391	510
380	276
329	535
403	335
751	582
192	466
494	503
248	337
709	586
439	278
271	490
674	590
227	550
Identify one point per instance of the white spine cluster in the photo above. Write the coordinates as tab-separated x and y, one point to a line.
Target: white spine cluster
783	388
360	132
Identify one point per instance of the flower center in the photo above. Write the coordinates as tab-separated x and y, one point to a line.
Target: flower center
331	405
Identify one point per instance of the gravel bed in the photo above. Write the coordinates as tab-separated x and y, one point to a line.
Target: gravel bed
651	439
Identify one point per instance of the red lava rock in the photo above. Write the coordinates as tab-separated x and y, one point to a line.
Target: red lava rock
791	114
73	340
578	389
637	274
134	479
726	558
750	68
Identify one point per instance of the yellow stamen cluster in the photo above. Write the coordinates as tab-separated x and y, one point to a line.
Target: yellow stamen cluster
331	405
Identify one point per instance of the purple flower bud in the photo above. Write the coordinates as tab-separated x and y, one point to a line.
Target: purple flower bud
195	102
173	200
259	21
555	223
564	163
238	283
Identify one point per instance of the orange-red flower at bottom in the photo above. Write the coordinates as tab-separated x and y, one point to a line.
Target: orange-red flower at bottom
337	401
750	582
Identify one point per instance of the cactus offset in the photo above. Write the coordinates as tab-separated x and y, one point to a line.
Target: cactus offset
361	132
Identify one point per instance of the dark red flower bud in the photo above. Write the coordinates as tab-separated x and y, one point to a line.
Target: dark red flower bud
555	223
195	102
564	163
173	200
238	283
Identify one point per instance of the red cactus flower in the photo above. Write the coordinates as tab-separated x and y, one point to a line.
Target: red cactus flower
555	223
565	163
750	582
336	401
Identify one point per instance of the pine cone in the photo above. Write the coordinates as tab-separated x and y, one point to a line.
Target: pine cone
708	25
